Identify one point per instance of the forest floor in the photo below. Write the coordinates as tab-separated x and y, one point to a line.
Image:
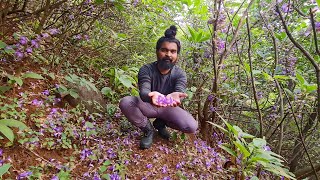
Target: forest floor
59	146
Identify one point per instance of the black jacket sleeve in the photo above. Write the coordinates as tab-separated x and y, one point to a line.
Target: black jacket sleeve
144	83
181	81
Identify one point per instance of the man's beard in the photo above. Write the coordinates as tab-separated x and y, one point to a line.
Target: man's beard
165	64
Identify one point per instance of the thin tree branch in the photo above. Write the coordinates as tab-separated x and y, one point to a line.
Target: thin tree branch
252	78
314	32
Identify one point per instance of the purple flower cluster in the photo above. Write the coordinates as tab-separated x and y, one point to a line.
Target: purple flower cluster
37	102
286	8
317	26
164	100
85	153
25	46
288	66
24	175
1	158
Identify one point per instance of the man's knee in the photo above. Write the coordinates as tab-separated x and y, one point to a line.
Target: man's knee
125	102
191	127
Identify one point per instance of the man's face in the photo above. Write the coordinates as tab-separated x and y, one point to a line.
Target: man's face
168	51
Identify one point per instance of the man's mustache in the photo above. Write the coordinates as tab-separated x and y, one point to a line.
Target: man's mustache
166	59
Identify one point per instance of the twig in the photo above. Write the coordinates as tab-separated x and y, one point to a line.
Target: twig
252	79
314	32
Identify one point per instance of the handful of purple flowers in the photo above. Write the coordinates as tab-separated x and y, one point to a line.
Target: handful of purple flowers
165	101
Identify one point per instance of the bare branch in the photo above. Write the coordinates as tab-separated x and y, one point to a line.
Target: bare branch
314	32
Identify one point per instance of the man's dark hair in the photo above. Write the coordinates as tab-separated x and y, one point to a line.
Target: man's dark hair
169	36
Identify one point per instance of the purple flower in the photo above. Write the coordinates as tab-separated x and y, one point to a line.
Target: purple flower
1	152
53	31
210	97
85	153
19	54
266	148
317	25
34	43
24	175
23	40
78	36
55	178
36	102
164	169
166	178
286	7
220	45
149	166
45	35
96	177
179	166
53	111
86	37
212	109
46	92
259	95
29	50
115	176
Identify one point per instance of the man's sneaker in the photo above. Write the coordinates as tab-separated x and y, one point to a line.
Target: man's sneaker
147	140
162	130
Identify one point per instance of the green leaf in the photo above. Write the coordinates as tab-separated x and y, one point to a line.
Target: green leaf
218	126
52	76
199	36
289	92
18	80
242	149
73	93
126	81
13	123
99	1
311	88
2	45
183	136
300	79
230	151
318	2
106	91
68	78
258	142
192	33
102	169
107	163
267	77
4	169
281	35
254	178
134	92
32	75
106	176
205	37
282	77
6	131
4	89
89	125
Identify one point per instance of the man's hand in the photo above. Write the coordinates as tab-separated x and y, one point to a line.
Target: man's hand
177	97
